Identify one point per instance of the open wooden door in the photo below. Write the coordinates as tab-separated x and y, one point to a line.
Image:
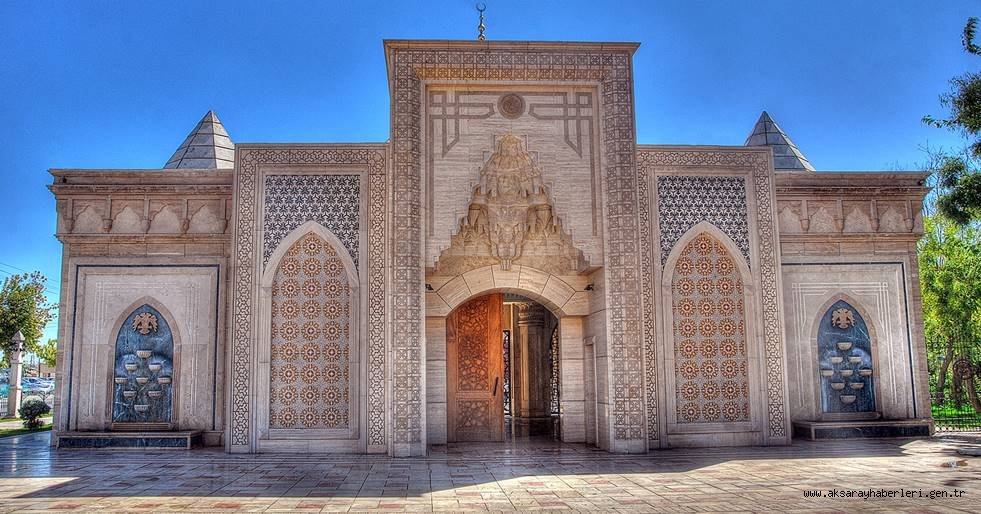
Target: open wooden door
474	366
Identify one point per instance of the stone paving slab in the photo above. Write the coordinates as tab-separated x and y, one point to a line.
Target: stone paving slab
498	477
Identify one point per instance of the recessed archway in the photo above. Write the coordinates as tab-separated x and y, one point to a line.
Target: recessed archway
565	304
502	370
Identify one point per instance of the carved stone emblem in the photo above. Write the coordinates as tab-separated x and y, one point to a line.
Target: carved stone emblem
512	106
144	323
842	318
510	220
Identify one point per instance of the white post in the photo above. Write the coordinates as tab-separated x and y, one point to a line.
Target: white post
16	372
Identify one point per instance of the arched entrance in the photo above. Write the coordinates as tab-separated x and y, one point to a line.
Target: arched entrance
565	300
502	370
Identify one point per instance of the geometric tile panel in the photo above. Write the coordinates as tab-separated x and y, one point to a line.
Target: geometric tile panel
309	374
684	201
331	200
711	375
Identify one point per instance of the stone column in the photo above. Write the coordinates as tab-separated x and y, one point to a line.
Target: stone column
531	387
15	390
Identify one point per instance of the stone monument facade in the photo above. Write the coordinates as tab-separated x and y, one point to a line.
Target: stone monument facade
348	297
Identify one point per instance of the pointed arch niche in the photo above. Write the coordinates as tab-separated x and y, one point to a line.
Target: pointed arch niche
144	362
309	351
711	351
846	360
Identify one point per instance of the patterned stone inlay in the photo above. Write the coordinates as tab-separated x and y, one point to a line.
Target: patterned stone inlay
334	201
247	259
309	382
684	201
711	366
648	160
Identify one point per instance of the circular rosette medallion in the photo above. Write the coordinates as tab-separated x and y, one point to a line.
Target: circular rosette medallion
512	106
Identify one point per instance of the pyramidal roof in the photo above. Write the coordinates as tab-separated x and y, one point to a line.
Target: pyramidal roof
786	155
206	147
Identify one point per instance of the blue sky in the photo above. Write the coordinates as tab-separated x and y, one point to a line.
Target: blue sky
119	84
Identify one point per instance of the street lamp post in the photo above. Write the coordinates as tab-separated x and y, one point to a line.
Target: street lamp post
16	372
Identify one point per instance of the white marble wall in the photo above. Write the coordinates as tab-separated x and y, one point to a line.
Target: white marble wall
568	160
595	329
572	380
436	379
880	292
106	291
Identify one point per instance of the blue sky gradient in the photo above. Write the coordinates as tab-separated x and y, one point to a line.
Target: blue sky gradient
119	84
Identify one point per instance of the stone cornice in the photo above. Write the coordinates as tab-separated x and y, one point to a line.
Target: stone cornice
90	238
511	46
140	176
123	190
141	182
863	184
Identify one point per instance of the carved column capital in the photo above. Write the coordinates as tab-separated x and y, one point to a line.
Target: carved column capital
530	313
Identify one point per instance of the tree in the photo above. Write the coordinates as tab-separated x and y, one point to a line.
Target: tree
950	269
958	176
24	307
47	352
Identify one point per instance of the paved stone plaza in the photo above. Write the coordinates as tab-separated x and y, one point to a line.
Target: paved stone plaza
501	477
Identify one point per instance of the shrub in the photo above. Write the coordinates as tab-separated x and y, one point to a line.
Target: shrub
31	411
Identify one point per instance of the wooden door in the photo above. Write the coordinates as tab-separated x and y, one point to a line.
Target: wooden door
474	371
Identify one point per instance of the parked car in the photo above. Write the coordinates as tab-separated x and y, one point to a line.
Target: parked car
33	384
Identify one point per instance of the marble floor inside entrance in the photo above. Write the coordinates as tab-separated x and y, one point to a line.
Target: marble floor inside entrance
528	474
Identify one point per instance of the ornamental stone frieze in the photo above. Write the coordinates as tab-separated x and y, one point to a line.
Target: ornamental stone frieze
847	206
142	203
511	220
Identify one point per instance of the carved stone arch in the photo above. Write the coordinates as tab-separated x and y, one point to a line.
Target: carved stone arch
714	231
158	306
175	340
552	291
695	344
537	297
205	219
166	219
346	429
866	315
87	219
309	227
813	332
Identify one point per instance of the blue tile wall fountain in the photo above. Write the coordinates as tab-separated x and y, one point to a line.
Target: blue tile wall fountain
144	370
845	352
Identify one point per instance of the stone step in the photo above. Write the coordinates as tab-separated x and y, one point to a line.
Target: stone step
818	430
130	440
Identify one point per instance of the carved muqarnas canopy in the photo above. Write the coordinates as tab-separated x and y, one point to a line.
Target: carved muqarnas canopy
511	220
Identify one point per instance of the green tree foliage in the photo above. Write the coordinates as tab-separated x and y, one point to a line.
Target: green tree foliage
950	271
24	307
958	176
47	352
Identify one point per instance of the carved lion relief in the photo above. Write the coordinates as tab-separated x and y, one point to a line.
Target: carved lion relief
511	220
